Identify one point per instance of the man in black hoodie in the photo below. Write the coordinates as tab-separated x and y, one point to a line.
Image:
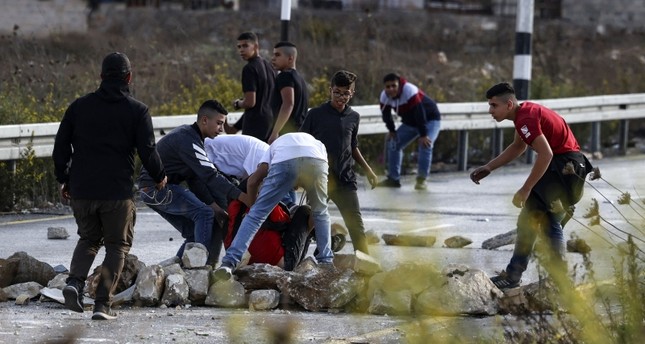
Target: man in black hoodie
99	133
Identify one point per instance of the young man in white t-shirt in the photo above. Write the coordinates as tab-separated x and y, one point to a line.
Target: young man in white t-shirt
235	155
294	159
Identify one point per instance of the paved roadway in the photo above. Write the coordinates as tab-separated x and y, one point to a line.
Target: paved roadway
453	205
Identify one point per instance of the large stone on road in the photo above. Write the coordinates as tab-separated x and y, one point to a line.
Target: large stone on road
260	276
230	294
500	240
409	240
321	287
176	291
149	286
30	269
463	291
457	241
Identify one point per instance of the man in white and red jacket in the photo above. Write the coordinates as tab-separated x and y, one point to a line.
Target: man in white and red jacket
420	120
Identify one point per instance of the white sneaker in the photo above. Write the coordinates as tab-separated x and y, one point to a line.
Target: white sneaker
223	273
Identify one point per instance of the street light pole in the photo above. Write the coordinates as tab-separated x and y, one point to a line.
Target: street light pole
285	17
523	60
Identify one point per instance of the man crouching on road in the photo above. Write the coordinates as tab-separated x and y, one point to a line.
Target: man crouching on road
197	212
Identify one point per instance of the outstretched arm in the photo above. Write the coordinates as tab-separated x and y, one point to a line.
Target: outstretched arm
514	150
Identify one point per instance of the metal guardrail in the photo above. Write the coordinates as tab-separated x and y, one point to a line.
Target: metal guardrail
462	117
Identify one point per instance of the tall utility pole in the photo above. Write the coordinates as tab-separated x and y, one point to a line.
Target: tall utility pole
522	62
285	17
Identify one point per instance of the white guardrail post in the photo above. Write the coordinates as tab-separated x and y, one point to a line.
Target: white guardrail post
462	117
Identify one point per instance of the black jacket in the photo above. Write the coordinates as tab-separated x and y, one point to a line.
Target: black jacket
96	141
184	157
338	131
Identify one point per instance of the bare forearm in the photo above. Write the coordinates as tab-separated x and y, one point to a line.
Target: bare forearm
283	117
358	157
509	154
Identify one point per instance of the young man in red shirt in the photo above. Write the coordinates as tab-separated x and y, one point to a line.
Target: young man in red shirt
552	188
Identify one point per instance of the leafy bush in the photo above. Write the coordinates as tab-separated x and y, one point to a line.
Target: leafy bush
31	184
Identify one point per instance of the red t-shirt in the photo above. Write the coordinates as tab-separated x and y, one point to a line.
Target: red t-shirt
533	120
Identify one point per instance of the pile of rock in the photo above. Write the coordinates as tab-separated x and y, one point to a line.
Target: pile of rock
354	284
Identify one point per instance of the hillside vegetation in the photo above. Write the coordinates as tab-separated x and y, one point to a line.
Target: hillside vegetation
453	57
180	58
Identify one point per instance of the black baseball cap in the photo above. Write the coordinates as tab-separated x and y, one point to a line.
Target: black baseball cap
115	65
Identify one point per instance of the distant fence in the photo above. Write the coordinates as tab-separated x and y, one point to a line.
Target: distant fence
461	117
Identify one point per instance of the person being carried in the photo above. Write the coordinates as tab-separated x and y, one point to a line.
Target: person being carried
197	212
420	120
294	159
100	133
335	124
282	240
258	77
552	188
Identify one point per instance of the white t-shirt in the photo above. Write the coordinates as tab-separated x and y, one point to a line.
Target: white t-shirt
235	155
294	145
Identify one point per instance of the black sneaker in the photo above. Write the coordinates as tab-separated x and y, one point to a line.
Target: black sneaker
73	293
504	281
103	312
389	183
223	273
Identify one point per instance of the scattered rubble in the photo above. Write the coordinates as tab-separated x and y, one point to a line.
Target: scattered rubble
355	283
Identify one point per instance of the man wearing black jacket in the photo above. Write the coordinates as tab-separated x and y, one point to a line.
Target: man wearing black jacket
335	124
197	212
99	134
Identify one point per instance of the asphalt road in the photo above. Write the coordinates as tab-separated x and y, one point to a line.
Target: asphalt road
453	205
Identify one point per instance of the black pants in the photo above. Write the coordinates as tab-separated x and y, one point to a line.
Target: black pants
296	237
217	241
108	223
563	182
347	202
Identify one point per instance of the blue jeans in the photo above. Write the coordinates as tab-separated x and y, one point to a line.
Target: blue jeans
405	135
184	211
311	175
